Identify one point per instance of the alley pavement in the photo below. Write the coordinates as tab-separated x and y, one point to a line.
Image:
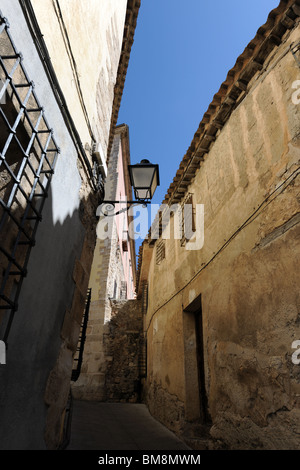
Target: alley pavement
118	426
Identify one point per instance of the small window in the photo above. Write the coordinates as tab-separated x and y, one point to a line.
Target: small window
115	290
160	251
188	226
296	52
124	245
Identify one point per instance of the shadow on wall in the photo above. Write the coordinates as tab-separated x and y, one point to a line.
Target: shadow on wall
47	299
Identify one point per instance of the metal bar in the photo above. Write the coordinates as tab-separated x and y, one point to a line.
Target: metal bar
9	214
34	110
14	68
2	27
20	114
126	202
23	272
29	92
20	269
7	300
10	320
17	185
45	147
10	258
9	139
35	131
14	56
76	372
33	128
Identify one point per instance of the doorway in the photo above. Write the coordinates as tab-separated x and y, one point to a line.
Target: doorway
203	402
195	382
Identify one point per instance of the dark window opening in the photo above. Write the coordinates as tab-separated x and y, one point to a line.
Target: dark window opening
195	363
188	223
200	366
125	245
115	290
295	48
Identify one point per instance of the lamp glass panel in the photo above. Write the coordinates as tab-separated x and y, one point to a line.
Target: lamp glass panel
154	184
142	176
142	193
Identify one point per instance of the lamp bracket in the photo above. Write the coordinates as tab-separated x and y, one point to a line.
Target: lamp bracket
106	207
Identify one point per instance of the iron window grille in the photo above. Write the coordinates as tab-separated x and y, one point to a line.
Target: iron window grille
78	357
188	222
160	251
28	154
295	48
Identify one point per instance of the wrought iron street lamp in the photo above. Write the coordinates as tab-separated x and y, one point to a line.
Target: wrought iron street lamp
144	179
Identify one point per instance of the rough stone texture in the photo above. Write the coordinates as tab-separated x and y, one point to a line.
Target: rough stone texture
244	278
167	408
280	433
123	339
106	277
111	367
56	396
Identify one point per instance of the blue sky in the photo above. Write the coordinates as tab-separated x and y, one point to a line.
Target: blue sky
181	54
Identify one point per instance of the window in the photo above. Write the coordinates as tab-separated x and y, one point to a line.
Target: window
160	251
115	290
296	52
125	245
28	155
188	219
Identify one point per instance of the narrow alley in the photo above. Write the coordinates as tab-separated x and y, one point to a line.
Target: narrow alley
118	426
149	243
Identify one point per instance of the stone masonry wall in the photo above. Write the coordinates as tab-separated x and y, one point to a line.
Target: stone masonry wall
123	337
243	279
105	281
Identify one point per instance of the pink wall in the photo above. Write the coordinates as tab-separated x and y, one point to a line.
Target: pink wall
122	229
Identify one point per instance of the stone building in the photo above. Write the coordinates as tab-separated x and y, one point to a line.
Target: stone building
113	275
222	284
62	68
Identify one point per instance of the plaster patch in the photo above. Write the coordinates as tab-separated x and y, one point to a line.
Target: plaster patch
192	295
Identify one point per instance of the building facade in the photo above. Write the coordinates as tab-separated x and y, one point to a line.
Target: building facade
113	275
220	266
62	69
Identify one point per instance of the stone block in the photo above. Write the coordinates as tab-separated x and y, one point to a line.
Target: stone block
78	305
80	277
58	384
70	331
98	379
53	429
